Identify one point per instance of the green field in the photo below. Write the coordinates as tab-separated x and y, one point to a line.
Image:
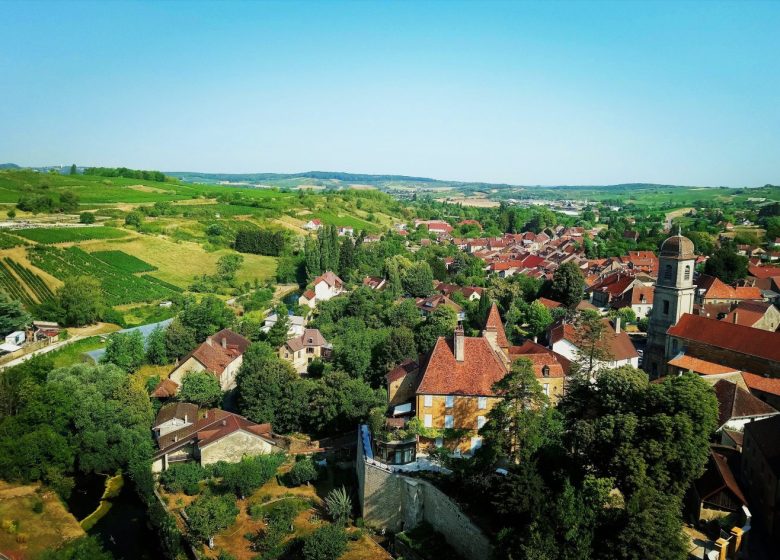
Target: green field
7	241
71	234
119	287
11	286
34	283
123	261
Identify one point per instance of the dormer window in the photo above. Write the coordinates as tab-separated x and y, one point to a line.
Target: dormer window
546	371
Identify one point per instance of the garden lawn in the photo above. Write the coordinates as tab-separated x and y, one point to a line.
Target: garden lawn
123	261
73	353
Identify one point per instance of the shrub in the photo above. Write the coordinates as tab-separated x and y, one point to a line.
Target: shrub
38	506
250	473
303	471
87	218
339	504
183	477
326	543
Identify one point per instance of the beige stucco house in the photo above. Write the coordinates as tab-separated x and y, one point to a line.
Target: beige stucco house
221	354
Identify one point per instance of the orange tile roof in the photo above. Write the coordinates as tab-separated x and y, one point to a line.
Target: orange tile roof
764	384
475	375
494	323
748	313
619	344
166	389
219	350
539	356
549	303
737	338
701	367
764	271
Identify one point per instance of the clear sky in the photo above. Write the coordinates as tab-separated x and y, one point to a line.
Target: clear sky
524	93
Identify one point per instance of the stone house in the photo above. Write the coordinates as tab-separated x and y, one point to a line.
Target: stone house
221	355
455	391
565	341
217	436
302	350
324	287
757	314
727	344
174	416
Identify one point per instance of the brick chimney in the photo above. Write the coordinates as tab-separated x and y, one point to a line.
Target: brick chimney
224	342
617	325
460	344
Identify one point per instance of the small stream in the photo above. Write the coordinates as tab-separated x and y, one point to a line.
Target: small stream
123	531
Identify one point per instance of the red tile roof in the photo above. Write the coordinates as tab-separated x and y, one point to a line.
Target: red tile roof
764	271
539	357
215	425
718	477
166	389
549	303
619	344
713	288
219	350
762	384
329	278
475	375
401	370
748	313
737	338
698	366
494	323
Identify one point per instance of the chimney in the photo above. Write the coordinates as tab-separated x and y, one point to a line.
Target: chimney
617	325
208	340
185	418
459	343
224	342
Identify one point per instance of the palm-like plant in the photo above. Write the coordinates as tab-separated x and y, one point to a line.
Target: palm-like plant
339	504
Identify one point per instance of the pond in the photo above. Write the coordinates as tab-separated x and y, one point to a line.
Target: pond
291	299
123	531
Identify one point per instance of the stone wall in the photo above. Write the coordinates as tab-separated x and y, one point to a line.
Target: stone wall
392	501
233	447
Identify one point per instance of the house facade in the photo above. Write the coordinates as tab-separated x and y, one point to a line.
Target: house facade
221	355
324	287
304	349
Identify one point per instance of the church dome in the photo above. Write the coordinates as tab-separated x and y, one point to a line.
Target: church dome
677	247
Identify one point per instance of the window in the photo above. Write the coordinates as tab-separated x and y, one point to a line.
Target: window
666	307
439	442
449	401
482	403
668	272
428	421
449	421
480	422
428	400
687	272
546	388
674	345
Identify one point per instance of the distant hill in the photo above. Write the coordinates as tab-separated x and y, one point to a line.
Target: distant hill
9	166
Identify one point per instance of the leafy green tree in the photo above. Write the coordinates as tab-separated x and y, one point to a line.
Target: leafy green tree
404	314
125	350
206	317
183	477
727	265
250	473
568	284
397	347
179	339
328	542
73	169
134	218
337	402
339	505
302	472
269	390
417	279
11	213
156	350
80	301
87	218
592	349
209	515
537	318
201	388
312	252
227	267
83	548
13	317
441	322
278	333
514	426
69	201
354	351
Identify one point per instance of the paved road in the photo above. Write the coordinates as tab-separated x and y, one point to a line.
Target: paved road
44	350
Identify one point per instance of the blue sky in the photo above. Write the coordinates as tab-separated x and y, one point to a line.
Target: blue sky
526	93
